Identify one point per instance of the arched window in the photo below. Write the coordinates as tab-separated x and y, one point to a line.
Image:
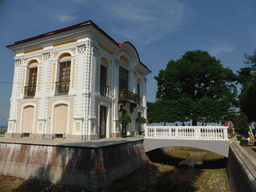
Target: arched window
62	86
30	89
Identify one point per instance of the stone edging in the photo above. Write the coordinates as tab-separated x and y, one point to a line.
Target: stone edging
247	162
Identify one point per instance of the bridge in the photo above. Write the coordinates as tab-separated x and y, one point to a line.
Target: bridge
211	138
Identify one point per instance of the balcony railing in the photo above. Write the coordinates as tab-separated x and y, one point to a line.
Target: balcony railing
126	95
104	90
62	88
30	91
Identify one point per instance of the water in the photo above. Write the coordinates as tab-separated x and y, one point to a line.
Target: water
3	128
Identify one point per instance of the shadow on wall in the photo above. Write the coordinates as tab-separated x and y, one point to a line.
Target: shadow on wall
82	168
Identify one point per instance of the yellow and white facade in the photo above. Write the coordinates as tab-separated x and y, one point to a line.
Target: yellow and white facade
58	91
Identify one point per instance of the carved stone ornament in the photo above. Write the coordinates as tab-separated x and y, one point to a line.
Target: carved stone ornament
46	56
18	62
81	48
94	48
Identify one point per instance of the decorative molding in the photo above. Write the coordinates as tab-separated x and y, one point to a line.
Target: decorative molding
81	48
46	56
94	48
18	62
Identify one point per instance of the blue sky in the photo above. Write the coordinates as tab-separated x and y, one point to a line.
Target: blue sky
160	30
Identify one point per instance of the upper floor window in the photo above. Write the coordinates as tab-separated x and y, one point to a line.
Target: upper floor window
30	89
62	86
123	78
104	89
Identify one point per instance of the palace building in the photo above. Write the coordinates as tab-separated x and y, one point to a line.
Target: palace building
74	83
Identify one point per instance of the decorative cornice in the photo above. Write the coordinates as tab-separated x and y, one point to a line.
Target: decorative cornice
18	62
46	56
81	48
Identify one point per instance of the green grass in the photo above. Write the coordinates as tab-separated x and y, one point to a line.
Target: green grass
2	132
183	152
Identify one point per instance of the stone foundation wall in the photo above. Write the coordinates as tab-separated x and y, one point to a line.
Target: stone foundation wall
88	168
241	169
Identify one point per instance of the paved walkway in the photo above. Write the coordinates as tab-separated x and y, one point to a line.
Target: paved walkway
251	148
71	143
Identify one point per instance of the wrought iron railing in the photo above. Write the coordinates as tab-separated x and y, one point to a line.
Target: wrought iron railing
104	90
62	88
126	95
30	91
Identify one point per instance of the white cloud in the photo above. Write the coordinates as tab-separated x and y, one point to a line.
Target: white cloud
146	21
216	51
64	18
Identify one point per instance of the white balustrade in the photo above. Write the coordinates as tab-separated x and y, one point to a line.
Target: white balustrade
187	132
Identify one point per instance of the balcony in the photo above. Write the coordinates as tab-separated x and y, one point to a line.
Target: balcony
128	96
62	88
104	90
30	91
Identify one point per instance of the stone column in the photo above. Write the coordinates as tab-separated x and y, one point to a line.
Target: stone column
115	85
91	118
78	89
42	116
13	101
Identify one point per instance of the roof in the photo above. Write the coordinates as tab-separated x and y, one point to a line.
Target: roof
89	22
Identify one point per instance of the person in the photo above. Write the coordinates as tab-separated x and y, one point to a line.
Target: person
251	137
232	128
183	124
202	124
189	124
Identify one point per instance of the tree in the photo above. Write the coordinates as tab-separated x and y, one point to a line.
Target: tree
247	78
201	87
162	112
140	120
240	122
124	120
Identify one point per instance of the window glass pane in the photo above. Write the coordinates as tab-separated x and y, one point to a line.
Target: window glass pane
103	75
123	78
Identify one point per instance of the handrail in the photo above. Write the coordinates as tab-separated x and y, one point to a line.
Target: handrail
104	90
126	95
187	132
30	91
62	87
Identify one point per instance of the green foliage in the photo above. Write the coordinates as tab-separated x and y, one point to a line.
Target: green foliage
194	87
141	120
247	78
125	120
240	122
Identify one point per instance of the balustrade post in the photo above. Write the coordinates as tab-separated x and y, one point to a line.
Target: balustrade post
198	132
146	131
170	133
225	133
154	131
176	132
